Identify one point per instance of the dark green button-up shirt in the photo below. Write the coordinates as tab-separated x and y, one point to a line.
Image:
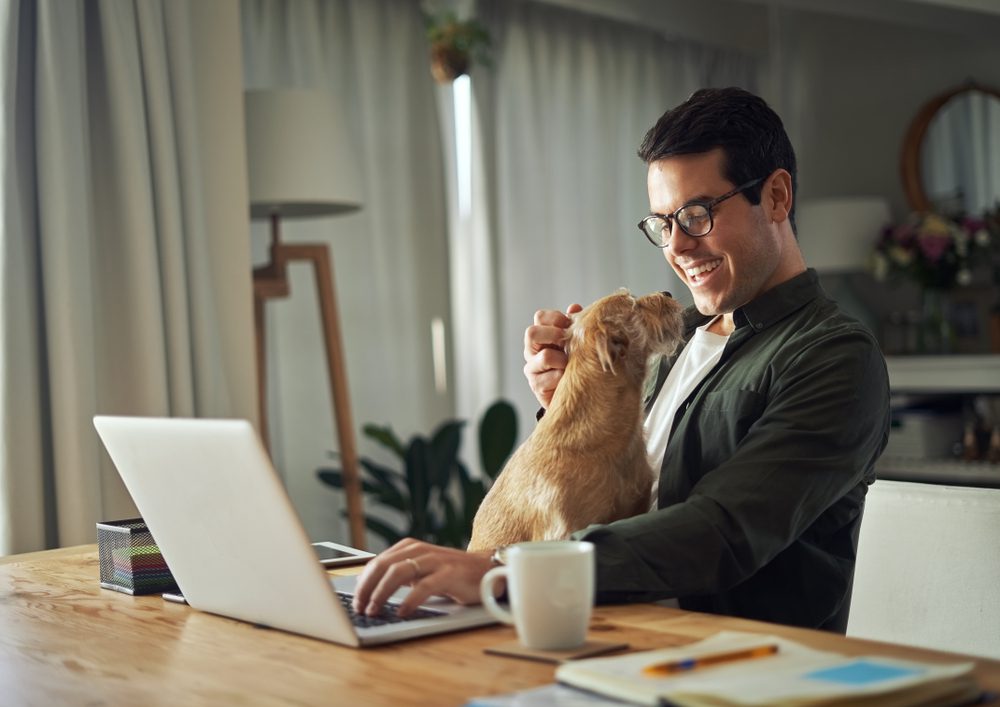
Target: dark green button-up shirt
765	472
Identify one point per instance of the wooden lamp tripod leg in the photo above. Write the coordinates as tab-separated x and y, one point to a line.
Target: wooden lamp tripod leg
270	282
319	256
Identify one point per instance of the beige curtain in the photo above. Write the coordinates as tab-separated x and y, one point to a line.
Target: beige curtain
125	257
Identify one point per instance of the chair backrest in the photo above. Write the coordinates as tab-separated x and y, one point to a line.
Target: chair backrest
928	568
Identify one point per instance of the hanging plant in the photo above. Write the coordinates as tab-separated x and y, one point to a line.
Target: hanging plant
455	45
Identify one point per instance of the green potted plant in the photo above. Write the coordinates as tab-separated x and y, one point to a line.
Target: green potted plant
434	491
455	45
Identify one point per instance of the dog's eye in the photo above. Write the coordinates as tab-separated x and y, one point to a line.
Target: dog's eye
619	344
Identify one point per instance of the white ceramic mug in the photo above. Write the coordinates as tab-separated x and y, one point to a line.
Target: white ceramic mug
550	585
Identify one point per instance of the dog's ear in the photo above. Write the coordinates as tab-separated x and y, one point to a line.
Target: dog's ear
611	346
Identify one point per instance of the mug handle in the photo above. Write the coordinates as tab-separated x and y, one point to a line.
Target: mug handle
486	594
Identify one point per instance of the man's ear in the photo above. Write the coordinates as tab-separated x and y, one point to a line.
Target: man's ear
776	196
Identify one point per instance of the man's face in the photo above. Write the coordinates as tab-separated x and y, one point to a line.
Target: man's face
739	258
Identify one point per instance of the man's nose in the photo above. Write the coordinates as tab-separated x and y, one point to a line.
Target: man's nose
680	241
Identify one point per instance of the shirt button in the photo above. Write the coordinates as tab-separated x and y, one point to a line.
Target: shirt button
758	325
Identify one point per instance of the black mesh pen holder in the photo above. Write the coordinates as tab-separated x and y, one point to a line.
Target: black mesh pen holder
130	560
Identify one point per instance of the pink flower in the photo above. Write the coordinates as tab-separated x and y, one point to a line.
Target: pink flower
904	233
972	224
934	246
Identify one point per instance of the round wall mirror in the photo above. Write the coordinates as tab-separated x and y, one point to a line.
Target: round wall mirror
951	153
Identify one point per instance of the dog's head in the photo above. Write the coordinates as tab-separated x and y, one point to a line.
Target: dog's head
624	331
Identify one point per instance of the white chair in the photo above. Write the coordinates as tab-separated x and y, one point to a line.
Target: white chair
928	569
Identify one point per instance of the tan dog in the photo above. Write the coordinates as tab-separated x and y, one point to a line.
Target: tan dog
585	462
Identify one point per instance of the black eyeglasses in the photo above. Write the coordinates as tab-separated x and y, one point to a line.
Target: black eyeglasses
695	219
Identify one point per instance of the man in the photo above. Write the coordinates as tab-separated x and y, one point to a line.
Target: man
766	425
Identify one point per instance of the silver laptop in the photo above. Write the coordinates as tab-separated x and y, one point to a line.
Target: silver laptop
234	544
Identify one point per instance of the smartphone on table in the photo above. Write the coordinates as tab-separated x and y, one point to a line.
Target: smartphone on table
332	554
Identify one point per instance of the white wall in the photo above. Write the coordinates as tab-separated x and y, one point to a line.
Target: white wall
851	88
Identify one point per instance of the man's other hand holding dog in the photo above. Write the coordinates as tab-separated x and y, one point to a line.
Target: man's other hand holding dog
545	353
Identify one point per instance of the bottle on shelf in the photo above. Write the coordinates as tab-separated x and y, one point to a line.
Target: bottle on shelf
993	450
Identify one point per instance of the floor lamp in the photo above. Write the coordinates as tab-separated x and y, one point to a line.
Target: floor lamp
837	236
300	164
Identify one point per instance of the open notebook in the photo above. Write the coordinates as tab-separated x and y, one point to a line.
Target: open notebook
227	529
771	671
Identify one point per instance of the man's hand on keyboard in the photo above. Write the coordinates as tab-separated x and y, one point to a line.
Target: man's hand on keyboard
428	569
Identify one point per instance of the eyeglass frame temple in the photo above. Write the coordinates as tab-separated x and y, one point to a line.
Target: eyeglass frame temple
670	219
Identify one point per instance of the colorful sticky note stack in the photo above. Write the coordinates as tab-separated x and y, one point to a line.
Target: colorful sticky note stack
142	569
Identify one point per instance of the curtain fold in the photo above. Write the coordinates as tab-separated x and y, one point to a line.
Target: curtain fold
562	113
114	299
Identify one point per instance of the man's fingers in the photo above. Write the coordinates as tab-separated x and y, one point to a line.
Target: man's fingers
552	317
367	581
396	576
543	385
456	577
574	308
540	336
545	360
375	570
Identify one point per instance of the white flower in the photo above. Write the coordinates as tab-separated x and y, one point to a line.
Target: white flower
982	237
880	266
900	256
963	277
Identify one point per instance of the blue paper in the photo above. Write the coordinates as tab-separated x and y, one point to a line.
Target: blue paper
862	672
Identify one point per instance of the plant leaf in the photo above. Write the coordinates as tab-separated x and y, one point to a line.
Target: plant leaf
452	532
331	477
473	493
443	452
384	435
418	483
461	471
386	495
381	472
497	435
384	530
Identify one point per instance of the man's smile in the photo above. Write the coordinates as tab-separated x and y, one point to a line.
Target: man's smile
698	273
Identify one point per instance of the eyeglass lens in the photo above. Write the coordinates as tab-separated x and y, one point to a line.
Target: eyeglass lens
694	219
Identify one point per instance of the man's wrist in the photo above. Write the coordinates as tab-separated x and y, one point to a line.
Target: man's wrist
499	556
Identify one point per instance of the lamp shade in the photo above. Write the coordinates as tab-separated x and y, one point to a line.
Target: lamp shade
299	157
837	234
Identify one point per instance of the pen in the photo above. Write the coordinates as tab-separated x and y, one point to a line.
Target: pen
678	666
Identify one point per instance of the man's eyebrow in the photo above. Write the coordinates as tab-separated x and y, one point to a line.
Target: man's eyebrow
700	198
696	199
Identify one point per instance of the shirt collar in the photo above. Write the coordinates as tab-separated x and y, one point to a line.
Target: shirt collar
770	307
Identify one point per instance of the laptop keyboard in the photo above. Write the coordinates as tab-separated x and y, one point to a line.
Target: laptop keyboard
386	616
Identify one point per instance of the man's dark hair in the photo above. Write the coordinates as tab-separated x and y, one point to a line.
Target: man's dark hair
750	134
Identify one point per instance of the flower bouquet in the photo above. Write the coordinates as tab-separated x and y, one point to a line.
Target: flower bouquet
936	252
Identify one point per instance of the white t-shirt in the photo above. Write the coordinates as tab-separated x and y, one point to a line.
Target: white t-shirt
696	360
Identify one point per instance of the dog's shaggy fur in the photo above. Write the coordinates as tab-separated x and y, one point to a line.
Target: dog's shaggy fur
585	462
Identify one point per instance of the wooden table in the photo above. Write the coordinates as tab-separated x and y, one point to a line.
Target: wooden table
66	641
